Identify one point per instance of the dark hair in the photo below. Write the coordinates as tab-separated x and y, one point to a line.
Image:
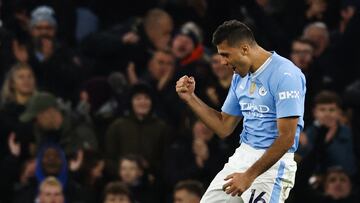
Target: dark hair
192	186
233	31
164	51
335	169
117	188
134	158
327	97
141	88
304	41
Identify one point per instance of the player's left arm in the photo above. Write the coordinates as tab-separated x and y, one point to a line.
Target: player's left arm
287	130
289	98
239	182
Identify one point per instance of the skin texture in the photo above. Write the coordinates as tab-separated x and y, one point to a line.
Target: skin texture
129	172
141	104
301	55
51	194
337	185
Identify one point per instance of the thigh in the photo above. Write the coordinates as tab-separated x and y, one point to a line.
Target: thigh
215	193
273	186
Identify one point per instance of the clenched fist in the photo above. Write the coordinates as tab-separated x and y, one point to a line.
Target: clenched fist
185	87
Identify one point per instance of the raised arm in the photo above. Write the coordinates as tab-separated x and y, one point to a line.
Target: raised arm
221	123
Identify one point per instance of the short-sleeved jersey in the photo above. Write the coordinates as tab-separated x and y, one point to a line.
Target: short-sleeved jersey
276	90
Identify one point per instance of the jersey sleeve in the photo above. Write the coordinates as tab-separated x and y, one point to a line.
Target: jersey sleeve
231	105
290	95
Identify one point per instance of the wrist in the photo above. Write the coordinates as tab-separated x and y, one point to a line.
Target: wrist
251	174
191	99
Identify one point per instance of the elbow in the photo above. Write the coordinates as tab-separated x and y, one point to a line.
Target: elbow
223	133
289	142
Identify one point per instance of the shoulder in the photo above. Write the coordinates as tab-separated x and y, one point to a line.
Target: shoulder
284	67
119	122
283	71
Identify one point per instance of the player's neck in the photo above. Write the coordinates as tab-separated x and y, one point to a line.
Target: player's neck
260	55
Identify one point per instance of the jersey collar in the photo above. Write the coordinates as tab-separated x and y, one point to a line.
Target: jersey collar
261	69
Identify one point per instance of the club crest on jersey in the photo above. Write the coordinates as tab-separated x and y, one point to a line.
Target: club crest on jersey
262	91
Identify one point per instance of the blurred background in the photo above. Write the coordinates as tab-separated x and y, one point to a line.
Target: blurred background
89	112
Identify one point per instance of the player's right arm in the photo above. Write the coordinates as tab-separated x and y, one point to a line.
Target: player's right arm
221	123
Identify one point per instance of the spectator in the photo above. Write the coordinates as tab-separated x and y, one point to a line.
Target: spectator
50	191
160	75
325	55
338	138
117	192
134	41
90	174
51	161
198	156
216	91
53	125
337	187
318	34
140	132
16	139
302	55
18	87
188	191
133	174
55	66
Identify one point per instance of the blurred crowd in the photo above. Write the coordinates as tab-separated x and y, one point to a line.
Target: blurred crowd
89	112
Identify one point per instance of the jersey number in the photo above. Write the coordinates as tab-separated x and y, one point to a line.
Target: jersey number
258	199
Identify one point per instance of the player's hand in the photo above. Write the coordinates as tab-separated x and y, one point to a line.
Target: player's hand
185	87
237	183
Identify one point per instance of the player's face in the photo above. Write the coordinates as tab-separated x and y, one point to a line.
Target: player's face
235	57
337	185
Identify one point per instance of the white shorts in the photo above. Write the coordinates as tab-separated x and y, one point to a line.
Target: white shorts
273	186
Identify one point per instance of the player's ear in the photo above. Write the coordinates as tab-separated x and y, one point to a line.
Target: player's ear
244	49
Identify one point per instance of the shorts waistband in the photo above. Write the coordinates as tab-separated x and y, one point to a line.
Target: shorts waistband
256	153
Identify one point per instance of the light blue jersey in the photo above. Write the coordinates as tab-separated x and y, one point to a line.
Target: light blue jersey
276	90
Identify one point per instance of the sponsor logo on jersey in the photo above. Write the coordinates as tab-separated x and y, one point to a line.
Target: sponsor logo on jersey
289	95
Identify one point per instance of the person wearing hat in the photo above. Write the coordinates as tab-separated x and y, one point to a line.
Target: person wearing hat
55	65
54	126
190	55
140	132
